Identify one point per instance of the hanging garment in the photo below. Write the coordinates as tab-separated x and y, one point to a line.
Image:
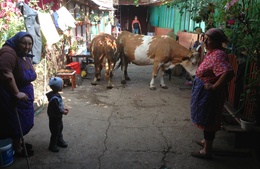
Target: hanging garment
65	19
55	19
48	28
32	27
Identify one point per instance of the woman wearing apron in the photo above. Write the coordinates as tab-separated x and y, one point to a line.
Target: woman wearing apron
209	90
16	90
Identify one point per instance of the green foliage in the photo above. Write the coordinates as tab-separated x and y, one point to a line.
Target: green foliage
94	18
46	7
200	10
244	33
241	22
80	16
74	46
11	19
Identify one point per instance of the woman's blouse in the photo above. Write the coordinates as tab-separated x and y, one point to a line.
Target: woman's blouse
213	66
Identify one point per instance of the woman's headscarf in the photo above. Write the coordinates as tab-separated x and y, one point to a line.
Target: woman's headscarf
14	42
217	35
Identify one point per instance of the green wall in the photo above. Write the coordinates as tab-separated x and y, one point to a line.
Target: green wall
169	17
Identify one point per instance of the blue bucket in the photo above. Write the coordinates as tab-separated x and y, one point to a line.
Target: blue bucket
6	152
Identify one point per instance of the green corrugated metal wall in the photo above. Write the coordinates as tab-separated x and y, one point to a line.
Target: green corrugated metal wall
169	17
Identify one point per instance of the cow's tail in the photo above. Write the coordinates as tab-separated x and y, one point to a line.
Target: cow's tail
119	64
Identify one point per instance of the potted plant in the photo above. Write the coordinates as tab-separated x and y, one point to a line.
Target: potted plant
80	40
95	18
197	19
73	48
247	123
80	17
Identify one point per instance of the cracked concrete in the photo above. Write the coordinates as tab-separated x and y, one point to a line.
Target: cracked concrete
128	127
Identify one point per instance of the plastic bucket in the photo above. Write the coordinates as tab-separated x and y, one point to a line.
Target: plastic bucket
247	125
75	66
90	69
6	152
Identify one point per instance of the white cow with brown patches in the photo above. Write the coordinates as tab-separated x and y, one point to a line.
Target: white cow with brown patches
162	52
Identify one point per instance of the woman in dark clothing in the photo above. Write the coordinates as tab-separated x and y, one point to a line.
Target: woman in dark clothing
210	90
55	112
16	90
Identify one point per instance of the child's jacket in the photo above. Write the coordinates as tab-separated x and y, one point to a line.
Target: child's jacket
55	106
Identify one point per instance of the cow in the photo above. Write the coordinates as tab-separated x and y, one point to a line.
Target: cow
162	52
105	51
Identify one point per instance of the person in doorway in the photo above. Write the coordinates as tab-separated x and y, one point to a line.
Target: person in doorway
17	91
209	90
136	26
55	112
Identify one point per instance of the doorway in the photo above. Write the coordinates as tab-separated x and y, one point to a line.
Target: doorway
126	13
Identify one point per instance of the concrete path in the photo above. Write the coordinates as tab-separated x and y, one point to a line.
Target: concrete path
129	127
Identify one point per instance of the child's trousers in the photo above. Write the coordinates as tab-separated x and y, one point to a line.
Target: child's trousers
56	127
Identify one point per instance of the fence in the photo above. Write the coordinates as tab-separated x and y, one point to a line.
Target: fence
237	99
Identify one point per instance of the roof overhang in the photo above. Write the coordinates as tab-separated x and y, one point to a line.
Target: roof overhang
104	4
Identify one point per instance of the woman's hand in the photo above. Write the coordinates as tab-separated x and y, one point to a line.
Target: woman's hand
223	80
21	96
209	86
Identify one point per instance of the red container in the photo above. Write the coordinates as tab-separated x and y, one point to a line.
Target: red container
75	66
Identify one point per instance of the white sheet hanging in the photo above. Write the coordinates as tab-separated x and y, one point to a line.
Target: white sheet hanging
48	28
65	19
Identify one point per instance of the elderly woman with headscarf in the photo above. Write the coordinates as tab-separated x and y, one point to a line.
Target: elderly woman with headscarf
16	91
210	90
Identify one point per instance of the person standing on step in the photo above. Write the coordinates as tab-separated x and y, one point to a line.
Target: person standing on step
136	26
55	112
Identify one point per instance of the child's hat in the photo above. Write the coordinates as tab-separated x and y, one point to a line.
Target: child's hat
56	83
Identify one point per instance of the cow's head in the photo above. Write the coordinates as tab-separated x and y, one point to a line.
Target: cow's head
190	63
192	57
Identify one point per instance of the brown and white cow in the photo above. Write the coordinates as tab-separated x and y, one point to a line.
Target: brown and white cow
162	52
105	52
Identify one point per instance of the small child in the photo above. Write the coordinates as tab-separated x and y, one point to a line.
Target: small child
55	111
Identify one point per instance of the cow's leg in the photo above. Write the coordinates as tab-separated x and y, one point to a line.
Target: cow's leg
154	75
97	74
152	87
123	68
125	76
94	81
126	73
162	84
156	69
110	74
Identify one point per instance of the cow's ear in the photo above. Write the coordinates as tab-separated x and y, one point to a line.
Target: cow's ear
185	58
